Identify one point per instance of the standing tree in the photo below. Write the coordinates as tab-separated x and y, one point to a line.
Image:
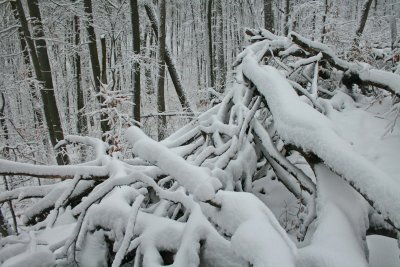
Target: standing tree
94	60
136	51
219	50
80	102
161	125
287	17
269	15
363	20
41	64
210	44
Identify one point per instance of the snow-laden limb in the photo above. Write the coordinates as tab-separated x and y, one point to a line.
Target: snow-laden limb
300	125
26	192
49	201
354	73
196	180
52	172
99	146
339	239
239	215
129	232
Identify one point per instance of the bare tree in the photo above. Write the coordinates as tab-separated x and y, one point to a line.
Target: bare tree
162	123
94	60
136	51
41	64
269	15
219	48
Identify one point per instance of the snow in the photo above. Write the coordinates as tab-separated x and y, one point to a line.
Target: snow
8	167
299	124
339	239
195	179
240	213
42	258
383	251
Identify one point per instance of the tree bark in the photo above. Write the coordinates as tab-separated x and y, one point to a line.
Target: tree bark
210	44
169	61
80	103
94	60
269	15
136	65
4	127
103	59
287	17
37	111
162	123
324	21
219	48
363	20
40	60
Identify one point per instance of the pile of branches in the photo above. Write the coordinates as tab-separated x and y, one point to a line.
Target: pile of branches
196	197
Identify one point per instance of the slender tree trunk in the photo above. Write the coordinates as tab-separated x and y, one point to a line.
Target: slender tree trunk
103	59
219	42
136	51
287	17
42	68
363	20
161	125
4	127
210	43
94	60
269	15
80	102
169	61
324	22
37	110
4	228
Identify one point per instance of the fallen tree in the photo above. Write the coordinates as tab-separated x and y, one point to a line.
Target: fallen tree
197	197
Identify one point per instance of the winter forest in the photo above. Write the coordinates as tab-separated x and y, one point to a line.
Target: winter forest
185	133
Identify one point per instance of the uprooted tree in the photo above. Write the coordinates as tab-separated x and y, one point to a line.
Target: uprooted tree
204	195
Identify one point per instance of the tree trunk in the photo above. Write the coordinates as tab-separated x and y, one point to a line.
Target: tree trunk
37	111
103	59
169	61
324	22
94	60
363	20
287	17
210	44
269	15
161	125
136	51
80	103
42	66
4	127
219	43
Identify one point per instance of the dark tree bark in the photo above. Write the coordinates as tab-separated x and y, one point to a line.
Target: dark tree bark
37	111
169	61
269	15
161	125
210	44
136	51
287	17
103	59
4	229
94	60
219	48
40	61
324	21
4	127
363	20
80	102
